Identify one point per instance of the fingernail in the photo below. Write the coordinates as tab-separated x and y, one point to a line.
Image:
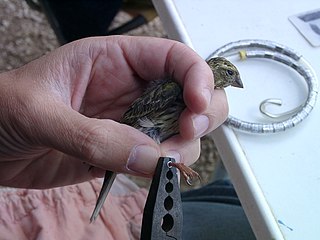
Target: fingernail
200	125
207	94
175	155
142	159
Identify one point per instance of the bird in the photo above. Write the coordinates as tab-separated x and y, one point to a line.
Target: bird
156	113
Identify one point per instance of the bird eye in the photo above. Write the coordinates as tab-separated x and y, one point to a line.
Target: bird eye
229	72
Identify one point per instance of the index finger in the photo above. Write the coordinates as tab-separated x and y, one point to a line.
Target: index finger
154	58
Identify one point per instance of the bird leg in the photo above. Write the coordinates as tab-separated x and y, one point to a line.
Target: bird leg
187	173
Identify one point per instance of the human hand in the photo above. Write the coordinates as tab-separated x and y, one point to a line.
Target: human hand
62	110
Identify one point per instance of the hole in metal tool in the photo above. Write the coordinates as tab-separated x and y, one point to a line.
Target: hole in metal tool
169	187
167	223
168	203
169	175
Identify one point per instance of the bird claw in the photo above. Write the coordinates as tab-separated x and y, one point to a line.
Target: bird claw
188	174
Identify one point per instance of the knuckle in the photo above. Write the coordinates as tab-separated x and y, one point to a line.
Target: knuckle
92	140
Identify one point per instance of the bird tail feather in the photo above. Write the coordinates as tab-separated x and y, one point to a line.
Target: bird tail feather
107	183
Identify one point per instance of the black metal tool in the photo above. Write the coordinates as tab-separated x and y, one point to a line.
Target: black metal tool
162	216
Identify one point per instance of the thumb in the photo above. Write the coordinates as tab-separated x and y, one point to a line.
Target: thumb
103	143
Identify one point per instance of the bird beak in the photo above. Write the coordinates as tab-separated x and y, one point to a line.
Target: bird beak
237	83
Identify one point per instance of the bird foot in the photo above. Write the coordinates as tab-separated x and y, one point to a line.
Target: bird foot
188	174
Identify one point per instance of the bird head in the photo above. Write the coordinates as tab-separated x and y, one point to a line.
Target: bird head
225	73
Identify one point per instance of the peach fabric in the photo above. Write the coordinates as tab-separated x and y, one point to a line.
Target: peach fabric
64	213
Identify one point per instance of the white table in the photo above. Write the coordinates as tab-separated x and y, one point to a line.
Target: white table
277	176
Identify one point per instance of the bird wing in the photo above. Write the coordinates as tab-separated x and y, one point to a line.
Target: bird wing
159	95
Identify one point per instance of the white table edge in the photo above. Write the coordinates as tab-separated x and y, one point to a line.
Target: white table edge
250	194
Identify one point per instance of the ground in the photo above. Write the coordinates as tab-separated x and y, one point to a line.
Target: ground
26	35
